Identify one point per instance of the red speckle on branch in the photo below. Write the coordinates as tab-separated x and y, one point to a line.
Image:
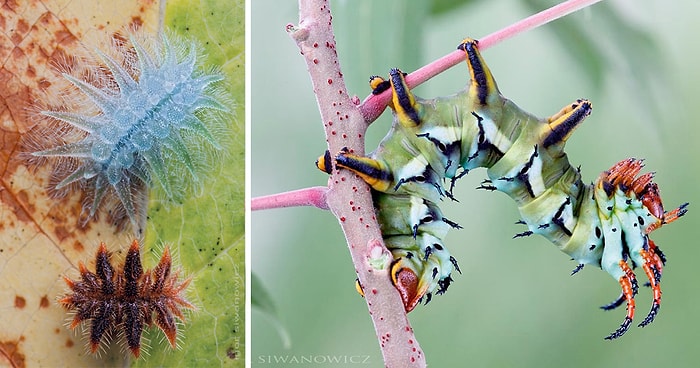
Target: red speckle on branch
330	81
342	218
374	291
315	61
315	44
344	135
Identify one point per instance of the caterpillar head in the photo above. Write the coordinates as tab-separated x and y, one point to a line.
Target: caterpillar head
422	267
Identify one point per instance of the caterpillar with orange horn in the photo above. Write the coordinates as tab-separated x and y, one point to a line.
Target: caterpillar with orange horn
605	224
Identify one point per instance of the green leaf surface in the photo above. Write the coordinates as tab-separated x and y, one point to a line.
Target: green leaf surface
207	232
261	300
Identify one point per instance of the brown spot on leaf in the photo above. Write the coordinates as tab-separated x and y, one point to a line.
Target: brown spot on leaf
69	343
20	302
23	199
78	246
61	233
43	84
44	302
231	353
136	22
22	26
9	202
12	5
11	355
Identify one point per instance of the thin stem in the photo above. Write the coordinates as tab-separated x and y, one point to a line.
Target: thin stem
374	105
314	196
348	197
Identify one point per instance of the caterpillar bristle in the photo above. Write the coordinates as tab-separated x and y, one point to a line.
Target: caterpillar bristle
578	268
523	234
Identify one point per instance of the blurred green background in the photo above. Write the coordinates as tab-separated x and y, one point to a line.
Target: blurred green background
515	303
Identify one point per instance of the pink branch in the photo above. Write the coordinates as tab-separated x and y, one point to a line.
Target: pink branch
374	105
314	196
348	197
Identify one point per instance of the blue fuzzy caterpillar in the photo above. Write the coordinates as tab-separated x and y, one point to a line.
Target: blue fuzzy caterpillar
156	112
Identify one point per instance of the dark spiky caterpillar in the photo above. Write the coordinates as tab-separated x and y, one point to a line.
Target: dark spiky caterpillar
125	300
605	224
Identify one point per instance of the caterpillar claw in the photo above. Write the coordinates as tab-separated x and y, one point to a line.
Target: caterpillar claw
621	330
614	304
628	282
653	272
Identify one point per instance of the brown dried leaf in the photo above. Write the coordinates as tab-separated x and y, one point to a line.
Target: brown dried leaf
41	238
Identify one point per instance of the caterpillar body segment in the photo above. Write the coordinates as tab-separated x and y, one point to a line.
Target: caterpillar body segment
606	223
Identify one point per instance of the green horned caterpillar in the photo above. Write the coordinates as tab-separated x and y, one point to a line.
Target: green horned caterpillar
606	223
